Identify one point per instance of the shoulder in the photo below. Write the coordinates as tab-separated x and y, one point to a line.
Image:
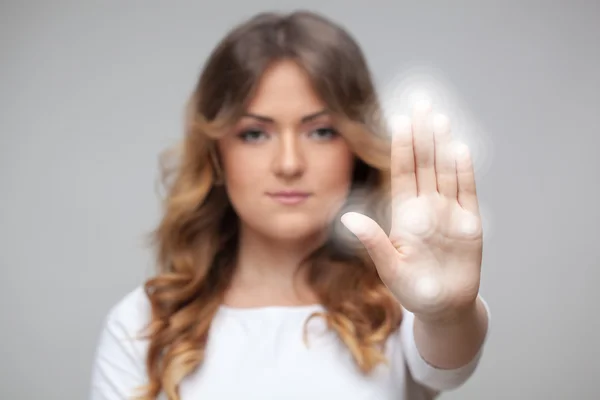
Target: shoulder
119	366
122	342
131	314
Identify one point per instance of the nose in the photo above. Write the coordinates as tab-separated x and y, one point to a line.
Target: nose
289	162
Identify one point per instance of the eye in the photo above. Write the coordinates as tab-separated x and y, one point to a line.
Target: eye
252	135
324	133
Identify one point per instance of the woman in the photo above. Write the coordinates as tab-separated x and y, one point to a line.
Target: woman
261	293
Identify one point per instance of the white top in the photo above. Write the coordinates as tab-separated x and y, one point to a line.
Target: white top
259	353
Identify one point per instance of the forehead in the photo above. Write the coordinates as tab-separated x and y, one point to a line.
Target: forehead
285	90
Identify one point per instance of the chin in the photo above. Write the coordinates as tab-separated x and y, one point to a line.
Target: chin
291	227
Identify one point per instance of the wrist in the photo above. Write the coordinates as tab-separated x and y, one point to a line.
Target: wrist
462	315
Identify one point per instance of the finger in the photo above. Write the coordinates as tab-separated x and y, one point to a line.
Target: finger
424	149
467	194
376	242
445	165
404	181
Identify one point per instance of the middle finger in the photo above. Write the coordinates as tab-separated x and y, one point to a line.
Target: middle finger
424	149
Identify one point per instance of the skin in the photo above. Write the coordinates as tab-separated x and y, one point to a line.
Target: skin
431	261
285	143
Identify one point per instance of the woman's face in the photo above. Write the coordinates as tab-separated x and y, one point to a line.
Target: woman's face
287	171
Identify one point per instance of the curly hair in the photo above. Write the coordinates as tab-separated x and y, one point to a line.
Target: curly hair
196	240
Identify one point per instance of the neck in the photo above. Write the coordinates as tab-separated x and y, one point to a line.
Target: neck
267	268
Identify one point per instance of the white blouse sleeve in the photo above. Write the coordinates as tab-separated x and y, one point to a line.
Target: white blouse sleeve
119	365
425	374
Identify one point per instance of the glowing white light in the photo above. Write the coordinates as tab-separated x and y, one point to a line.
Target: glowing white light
469	225
419	97
399	124
440	122
415	218
460	149
429	288
355	224
356	202
417	84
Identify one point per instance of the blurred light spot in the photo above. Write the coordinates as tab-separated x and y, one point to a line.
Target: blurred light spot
402	92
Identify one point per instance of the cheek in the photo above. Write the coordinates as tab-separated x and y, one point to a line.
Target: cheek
333	171
243	174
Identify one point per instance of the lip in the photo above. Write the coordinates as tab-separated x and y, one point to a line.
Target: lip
289	197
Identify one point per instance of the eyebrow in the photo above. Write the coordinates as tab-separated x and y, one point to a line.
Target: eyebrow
305	119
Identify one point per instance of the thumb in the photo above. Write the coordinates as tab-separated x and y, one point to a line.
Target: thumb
374	239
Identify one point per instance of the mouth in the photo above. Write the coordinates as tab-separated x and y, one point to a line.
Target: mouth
289	197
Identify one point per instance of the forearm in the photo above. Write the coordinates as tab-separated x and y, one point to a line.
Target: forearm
452	344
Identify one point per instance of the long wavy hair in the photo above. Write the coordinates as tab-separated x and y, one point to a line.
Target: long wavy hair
196	240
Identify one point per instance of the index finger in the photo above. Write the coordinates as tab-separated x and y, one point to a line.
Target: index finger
404	182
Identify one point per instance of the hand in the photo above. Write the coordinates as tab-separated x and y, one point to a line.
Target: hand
431	261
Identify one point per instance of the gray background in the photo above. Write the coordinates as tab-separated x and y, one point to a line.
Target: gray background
90	93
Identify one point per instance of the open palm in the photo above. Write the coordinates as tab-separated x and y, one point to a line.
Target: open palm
431	261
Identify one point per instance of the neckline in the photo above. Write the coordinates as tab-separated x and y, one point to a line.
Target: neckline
271	309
